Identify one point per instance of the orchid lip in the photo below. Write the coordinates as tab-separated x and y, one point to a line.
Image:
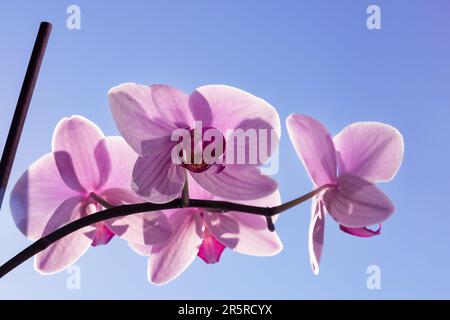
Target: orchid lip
199	168
196	161
196	168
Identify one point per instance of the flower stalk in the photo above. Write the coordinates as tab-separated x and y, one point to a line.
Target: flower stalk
129	209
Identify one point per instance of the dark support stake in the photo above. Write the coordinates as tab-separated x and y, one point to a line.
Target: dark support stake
15	131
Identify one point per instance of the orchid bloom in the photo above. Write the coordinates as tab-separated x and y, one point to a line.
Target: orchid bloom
147	116
64	185
361	155
206	233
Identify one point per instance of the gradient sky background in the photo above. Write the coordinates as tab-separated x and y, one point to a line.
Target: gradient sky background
311	57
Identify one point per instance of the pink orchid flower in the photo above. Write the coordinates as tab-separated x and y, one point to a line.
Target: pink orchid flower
59	187
147	116
205	233
361	155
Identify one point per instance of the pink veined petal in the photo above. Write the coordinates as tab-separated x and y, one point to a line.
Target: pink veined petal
122	161
79	140
167	261
225	108
145	228
244	233
146	116
316	234
157	179
103	234
370	150
211	249
196	191
315	148
69	210
363	232
237	182
357	202
146	250
141	249
69	249
254	237
66	170
62	253
36	196
172	105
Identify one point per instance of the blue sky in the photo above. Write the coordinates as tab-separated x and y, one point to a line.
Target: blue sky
311	57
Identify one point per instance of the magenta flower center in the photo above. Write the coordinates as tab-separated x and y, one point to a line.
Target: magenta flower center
205	152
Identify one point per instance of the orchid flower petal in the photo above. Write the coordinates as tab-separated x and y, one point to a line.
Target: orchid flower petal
103	234
196	191
225	108
81	140
122	159
315	148
246	233
36	196
357	202
147	115
172	105
316	234
146	228
141	249
211	249
62	253
370	150
69	249
363	232
157	179
237	182
167	261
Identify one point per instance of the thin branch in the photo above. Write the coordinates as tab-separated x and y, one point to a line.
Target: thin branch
129	209
295	202
185	192
60	233
100	200
270	224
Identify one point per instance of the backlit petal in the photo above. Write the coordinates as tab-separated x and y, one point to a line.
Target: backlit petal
79	153
147	115
227	109
211	249
237	182
36	196
357	202
370	150
315	148
316	234
157	179
167	261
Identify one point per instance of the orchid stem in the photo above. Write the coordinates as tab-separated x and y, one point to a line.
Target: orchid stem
295	202
129	209
100	200
185	192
